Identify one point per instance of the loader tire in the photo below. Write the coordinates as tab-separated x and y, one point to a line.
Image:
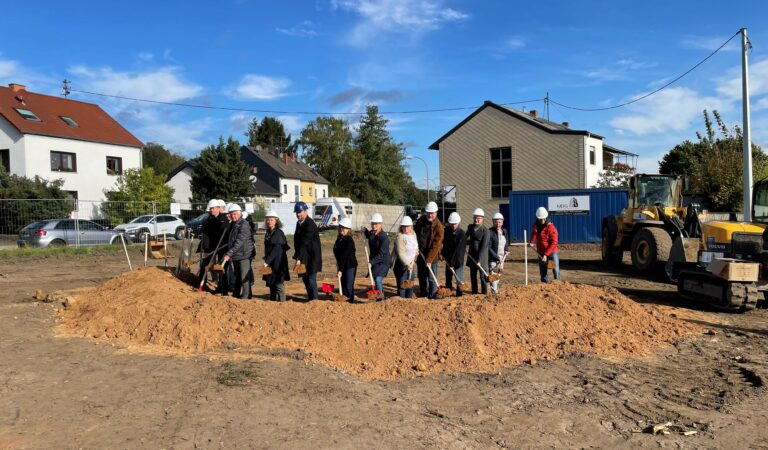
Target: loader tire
610	256
649	247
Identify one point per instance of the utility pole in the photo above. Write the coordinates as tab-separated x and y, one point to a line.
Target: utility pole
546	104
65	88
747	141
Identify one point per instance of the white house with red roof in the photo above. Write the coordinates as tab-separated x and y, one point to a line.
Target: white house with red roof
54	137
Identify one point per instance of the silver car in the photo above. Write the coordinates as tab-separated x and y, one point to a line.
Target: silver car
63	232
154	226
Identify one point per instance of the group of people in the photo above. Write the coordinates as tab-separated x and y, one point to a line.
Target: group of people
418	248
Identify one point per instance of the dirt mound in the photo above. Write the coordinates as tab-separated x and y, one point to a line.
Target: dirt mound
394	339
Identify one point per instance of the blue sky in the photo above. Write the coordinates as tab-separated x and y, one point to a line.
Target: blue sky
338	55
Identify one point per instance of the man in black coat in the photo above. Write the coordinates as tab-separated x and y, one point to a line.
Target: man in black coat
453	252
306	243
212	235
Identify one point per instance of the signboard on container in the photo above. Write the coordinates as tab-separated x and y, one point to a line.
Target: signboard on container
571	205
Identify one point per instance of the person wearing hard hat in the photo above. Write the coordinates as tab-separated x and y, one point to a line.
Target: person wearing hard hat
478	238
346	261
212	237
498	246
406	251
429	235
241	252
544	237
275	256
307	250
378	244
453	252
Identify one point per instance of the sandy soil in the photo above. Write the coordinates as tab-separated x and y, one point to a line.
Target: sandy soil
74	392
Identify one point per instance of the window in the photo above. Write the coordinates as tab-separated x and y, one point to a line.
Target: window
90	226
592	155
63	162
69	121
501	172
296	192
310	192
323	193
27	114
72	197
5	160
65	225
285	189
114	165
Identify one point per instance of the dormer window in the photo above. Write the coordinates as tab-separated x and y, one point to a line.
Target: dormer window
69	121
27	114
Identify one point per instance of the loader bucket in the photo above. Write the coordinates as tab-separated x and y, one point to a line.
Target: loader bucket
684	251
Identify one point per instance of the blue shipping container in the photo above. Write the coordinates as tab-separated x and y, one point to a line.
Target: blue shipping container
577	213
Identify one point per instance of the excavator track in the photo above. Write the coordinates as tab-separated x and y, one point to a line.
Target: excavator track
719	293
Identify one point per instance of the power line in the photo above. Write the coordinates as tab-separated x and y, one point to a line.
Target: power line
655	91
272	111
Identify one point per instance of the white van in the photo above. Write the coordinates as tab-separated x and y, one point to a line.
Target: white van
329	210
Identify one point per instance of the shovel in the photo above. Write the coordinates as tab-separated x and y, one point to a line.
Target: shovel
408	283
373	293
208	267
340	296
492	277
459	282
441	291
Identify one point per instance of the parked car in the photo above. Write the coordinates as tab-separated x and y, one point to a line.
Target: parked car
196	224
63	232
157	226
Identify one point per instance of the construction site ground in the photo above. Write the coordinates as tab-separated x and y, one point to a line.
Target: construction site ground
703	389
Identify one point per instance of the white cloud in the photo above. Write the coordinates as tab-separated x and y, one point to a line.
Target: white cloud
260	87
292	124
398	16
708	43
145	56
185	138
621	70
12	71
671	110
729	85
164	84
305	29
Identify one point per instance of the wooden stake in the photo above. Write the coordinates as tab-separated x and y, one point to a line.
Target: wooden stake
146	248
125	249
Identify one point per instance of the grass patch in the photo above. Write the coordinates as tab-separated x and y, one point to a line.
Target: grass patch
26	252
236	374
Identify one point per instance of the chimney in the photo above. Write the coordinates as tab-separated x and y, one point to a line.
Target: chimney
566	124
17	87
285	158
534	113
293	157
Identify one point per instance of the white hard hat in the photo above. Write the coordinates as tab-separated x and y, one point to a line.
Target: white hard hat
233	207
454	218
478	212
498	216
222	203
376	218
271	213
212	203
226	207
431	207
345	222
541	212
406	222
245	214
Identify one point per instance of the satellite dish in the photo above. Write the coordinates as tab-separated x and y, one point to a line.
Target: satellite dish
253	178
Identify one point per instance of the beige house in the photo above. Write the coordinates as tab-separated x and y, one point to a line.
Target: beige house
496	150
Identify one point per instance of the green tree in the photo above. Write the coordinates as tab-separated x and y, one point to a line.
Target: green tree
270	133
162	160
383	178
327	147
134	192
714	163
27	200
220	173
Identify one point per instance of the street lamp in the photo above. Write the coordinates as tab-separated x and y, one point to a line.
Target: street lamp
425	166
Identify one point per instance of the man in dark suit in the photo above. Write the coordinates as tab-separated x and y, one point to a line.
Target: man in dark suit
306	243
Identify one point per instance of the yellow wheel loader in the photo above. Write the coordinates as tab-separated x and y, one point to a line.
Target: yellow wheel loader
653	219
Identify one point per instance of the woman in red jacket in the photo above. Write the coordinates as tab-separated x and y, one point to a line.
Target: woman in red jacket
544	235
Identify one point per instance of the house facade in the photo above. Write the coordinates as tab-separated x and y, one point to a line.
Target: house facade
496	150
292	179
58	138
180	179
